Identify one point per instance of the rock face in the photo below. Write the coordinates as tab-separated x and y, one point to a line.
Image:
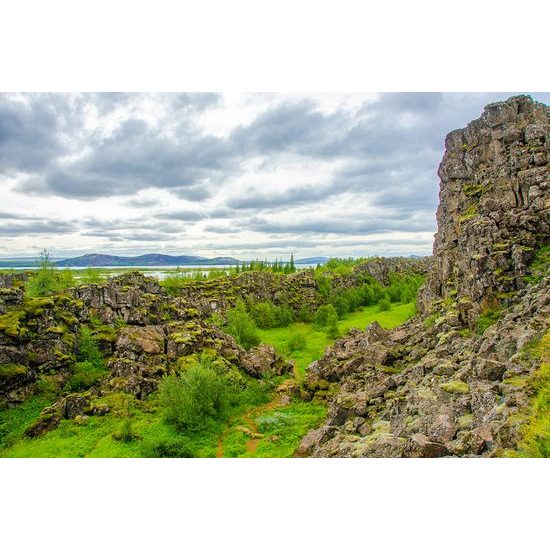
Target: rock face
431	387
494	209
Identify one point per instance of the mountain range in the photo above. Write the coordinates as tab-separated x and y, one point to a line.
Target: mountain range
145	260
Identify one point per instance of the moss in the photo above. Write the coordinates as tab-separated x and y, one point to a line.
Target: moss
34	307
430	320
488	318
473	190
539	266
10	324
504	245
536	434
68	318
56	329
469	213
465	421
455	386
11	370
515	381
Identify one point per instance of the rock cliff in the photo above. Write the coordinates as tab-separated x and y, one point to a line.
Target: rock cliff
448	383
493	213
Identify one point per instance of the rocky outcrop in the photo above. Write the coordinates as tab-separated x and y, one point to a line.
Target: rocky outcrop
381	269
433	387
264	360
494	210
424	392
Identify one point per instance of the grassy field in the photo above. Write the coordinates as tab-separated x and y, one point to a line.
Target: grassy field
317	340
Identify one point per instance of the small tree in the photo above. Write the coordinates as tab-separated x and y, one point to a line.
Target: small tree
297	342
332	324
241	326
195	397
324	314
44	280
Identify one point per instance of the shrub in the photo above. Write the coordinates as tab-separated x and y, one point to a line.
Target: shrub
87	348
264	314
332	326
194	398
90	366
304	314
384	304
284	316
47	279
323	314
166	447
91	275
242	327
84	375
297	342
125	432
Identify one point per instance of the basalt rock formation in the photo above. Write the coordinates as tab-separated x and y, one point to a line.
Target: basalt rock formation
493	211
433	387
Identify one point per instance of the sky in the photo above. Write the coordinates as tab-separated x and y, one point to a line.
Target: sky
259	175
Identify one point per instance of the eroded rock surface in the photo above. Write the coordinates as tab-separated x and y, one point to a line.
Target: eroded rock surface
432	387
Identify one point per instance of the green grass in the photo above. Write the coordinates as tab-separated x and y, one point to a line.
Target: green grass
14	421
316	339
283	428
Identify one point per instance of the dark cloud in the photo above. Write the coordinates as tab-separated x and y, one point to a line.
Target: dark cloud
31	131
183	215
306	194
343	226
141	203
36	228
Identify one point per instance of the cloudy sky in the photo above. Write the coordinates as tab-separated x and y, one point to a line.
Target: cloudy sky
246	175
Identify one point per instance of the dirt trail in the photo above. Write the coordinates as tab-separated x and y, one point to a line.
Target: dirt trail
250	427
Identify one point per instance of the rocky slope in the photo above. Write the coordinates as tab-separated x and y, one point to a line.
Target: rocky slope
432	387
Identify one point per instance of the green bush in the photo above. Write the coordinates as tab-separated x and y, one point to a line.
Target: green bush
193	399
84	375
242	327
304	314
47	279
125	433
90	366
323	314
166	447
332	325
91	275
297	342
264	314
267	315
384	304
87	348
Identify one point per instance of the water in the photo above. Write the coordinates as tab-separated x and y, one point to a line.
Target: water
158	271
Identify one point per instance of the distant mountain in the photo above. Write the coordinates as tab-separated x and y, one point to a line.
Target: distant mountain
108	260
145	260
313	260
